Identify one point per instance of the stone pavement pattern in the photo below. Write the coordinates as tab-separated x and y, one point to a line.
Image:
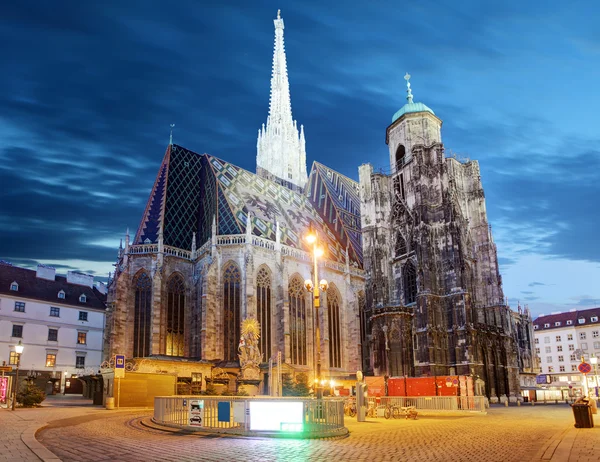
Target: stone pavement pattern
505	434
21	425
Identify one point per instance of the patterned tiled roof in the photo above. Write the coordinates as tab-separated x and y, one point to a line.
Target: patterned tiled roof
197	188
562	318
153	215
32	287
336	199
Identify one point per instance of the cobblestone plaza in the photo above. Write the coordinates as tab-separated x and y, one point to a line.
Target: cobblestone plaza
515	433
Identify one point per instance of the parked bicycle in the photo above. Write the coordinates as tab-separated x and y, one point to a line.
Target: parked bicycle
350	408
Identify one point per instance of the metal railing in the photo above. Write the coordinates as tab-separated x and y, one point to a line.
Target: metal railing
321	418
435	404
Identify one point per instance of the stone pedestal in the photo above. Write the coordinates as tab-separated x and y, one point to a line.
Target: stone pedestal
252	387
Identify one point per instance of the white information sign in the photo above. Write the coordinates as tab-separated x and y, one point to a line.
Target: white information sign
196	412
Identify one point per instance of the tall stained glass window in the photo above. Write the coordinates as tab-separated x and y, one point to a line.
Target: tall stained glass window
297	296
263	308
231	308
174	338
410	282
142	321
335	340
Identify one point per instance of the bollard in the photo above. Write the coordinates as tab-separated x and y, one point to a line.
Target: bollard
506	403
518	403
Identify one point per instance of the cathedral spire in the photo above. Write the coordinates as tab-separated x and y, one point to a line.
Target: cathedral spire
280	107
281	152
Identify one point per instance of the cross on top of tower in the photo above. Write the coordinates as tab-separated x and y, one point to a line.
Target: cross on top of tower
278	14
409	95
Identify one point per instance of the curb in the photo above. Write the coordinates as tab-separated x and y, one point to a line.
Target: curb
29	439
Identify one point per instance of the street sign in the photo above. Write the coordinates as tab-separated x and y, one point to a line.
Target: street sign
585	368
6	369
119	366
448	381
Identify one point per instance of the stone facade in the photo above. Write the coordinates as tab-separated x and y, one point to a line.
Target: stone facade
435	304
204	313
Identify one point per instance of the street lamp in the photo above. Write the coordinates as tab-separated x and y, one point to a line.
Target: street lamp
312	238
19	350
594	361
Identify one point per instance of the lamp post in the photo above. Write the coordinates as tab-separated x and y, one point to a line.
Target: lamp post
594	361
313	286
19	350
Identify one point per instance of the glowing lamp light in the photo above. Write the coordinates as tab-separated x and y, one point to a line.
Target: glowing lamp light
324	285
319	252
19	347
332	383
308	285
310	238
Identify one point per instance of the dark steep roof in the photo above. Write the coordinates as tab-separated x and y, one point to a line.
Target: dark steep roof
32	287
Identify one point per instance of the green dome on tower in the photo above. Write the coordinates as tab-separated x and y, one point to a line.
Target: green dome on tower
410	107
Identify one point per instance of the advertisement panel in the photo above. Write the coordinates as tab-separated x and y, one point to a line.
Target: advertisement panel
276	415
3	390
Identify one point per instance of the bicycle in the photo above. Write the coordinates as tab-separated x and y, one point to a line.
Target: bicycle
372	410
392	411
350	408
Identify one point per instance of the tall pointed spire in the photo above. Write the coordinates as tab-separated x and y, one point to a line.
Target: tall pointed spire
171	134
281	152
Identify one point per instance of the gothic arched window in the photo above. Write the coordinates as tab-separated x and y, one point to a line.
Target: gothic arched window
174	339
231	310
142	319
263	309
297	296
400	156
335	338
410	282
400	245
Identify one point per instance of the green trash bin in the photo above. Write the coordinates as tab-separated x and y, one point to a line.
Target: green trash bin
583	415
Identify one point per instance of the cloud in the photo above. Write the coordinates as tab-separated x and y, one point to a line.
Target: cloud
533	284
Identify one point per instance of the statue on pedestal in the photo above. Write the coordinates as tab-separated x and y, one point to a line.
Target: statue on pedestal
250	355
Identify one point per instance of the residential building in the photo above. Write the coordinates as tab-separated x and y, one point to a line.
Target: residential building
562	342
58	319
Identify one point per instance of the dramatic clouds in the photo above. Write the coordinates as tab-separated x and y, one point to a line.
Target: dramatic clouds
90	88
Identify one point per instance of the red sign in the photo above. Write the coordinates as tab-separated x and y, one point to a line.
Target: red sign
585	368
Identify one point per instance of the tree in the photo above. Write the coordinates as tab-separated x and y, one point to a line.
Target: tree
30	396
302	388
288	386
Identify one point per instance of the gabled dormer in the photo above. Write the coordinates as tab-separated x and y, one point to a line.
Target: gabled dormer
82	298
14	286
61	294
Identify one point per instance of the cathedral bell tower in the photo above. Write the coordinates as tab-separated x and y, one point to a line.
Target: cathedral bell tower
414	124
281	150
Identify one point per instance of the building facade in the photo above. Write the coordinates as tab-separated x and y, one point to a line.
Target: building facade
59	320
562	341
435	304
218	245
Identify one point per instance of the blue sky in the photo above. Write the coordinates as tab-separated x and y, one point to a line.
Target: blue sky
89	90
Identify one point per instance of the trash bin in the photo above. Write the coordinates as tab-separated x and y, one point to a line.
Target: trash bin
583	415
110	403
